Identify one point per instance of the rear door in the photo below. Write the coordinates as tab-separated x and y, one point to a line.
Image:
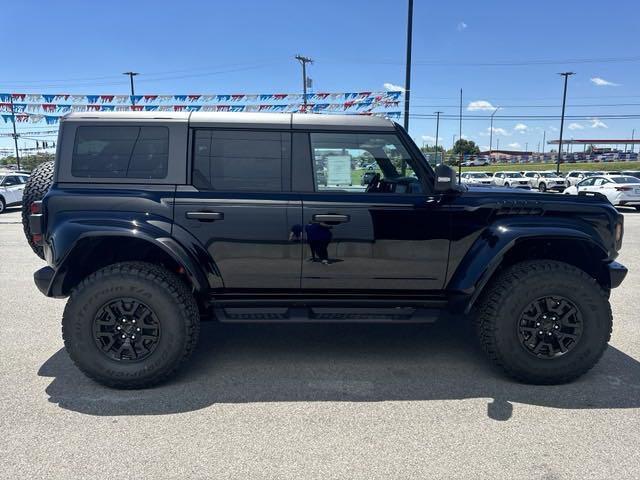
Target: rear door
239	206
389	234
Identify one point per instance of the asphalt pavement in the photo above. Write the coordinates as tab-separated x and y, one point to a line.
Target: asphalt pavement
312	401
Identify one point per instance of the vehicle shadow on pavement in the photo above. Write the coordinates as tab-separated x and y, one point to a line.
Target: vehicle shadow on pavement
347	363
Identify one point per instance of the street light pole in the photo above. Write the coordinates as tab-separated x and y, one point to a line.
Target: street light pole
131	75
407	78
437	133
303	61
491	132
566	76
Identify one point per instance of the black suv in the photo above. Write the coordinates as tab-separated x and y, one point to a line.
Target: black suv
151	221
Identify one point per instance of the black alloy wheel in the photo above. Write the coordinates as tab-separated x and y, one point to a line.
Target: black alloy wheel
126	330
550	327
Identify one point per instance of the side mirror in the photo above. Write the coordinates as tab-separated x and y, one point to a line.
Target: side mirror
446	179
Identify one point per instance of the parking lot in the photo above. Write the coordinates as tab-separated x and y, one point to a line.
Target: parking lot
312	401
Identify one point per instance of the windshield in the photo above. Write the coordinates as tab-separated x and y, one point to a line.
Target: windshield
513	175
626	180
548	174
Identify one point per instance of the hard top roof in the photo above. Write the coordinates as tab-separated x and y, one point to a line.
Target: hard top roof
242	119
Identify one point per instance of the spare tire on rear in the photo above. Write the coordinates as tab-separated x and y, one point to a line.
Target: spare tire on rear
36	188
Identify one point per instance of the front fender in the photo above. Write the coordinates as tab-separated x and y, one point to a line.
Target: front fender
488	251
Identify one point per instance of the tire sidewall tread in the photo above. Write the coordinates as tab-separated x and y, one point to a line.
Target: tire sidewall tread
504	300
167	295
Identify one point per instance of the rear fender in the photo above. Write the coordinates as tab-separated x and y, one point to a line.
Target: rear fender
67	237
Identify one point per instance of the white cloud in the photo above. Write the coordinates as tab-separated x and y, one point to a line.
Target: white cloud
484	148
499	131
393	88
480	105
597	123
576	126
520	127
514	145
461	26
496	131
553	129
601	82
431	139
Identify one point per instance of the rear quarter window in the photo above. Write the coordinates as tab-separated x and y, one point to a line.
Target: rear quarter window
120	152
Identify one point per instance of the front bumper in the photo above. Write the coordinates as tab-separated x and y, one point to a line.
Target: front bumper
617	273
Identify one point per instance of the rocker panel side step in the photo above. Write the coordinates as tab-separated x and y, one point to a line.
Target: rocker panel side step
327	314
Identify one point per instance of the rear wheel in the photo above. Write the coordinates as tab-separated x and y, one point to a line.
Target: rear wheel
130	325
36	188
3	205
544	322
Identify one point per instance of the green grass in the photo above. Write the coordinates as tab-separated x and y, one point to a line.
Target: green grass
356	175
564	167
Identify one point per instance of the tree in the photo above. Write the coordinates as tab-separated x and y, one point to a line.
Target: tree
28	162
466	147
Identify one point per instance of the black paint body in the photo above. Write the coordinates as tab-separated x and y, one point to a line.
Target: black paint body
434	250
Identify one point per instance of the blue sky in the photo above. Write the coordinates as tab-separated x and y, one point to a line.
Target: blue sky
248	46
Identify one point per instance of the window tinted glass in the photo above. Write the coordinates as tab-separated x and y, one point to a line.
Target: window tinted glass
239	160
120	152
362	162
587	182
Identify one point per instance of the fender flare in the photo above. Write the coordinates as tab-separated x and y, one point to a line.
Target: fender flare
154	236
488	251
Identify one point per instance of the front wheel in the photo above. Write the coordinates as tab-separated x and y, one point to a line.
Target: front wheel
542	187
3	205
544	322
130	325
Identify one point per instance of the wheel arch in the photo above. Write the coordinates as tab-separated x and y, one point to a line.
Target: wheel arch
492	254
93	251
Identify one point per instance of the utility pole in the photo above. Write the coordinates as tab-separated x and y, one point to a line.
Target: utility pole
453	141
407	77
633	132
303	61
544	139
526	147
131	75
15	134
437	133
491	131
460	137
566	76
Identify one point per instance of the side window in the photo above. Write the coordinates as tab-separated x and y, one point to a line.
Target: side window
239	160
599	181
362	162
586	183
120	152
11	180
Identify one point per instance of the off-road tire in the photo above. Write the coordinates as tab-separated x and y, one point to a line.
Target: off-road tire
36	188
167	296
502	304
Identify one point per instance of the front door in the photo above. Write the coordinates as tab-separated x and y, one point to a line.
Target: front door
240	209
366	225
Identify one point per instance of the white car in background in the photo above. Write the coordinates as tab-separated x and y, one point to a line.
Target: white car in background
476	178
510	179
620	190
576	176
11	187
544	181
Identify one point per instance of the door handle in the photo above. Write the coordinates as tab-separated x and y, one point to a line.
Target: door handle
205	216
331	218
